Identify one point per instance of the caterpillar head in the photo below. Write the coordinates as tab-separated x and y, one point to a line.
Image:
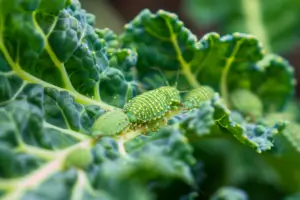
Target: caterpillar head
173	94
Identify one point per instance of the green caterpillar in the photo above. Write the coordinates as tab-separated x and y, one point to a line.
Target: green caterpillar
196	96
148	109
152	105
110	123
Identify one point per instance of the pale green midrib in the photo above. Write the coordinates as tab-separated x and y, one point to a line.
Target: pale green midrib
52	27
186	68
64	117
32	79
97	96
204	60
16	131
254	21
87	184
39	152
225	71
15	95
16	187
156	35
78	188
67	83
9	73
70	132
31	181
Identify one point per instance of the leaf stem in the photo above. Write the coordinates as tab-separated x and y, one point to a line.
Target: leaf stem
77	135
97	91
223	82
83	186
39	152
121	147
254	21
17	187
78	189
60	66
186	68
9	73
15	95
32	79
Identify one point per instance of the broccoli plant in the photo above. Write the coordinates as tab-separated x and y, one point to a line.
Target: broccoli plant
147	114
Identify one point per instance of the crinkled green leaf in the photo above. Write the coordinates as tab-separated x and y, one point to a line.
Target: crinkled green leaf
42	121
257	136
162	156
167	147
162	40
201	120
14	164
35	124
291	132
122	73
22	117
61	183
247	103
226	63
229	193
57	46
260	18
272	79
198	120
125	60
119	92
109	36
58	74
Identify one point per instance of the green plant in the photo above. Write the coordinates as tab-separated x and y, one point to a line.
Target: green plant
259	17
63	80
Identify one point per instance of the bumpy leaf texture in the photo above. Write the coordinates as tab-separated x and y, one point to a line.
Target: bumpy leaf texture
226	63
58	74
255	135
202	120
57	46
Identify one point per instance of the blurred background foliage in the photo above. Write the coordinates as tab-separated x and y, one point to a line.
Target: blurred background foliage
224	162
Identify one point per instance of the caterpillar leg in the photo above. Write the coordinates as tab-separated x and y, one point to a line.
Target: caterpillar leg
165	121
156	124
145	129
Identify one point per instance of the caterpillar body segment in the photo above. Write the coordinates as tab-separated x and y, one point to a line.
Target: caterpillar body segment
150	109
152	105
155	124
196	96
111	123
